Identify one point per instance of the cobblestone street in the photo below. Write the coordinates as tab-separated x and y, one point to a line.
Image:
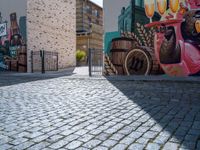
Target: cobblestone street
68	113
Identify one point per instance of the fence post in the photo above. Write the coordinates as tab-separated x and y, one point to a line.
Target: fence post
90	62
57	63
31	61
42	61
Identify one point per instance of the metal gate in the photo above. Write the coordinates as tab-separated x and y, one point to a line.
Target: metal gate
96	60
44	61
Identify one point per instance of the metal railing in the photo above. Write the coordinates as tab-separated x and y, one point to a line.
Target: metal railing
95	62
42	61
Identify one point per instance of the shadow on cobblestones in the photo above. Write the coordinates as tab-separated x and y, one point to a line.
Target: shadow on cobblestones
174	108
7	79
13	80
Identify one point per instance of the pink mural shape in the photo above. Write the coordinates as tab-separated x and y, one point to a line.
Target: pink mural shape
177	45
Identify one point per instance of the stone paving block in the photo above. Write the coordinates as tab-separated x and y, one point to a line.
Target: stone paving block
153	146
119	147
67	132
198	145
24	145
103	136
117	136
47	129
86	137
5	146
150	134
109	143
34	134
38	146
34	129
4	139
127	141
92	143
191	137
170	146
135	134
196	125
81	132
82	148
161	139
59	144
136	146
194	132
74	145
95	131
53	132
111	130
126	130
142	129
18	141
100	148
142	141
91	127
40	138
22	134
165	133
54	138
189	145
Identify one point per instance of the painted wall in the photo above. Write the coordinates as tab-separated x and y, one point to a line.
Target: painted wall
168	45
10	47
51	26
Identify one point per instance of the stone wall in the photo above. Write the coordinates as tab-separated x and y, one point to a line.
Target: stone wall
51	25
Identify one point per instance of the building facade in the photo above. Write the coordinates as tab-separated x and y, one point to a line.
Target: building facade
89	25
51	26
44	25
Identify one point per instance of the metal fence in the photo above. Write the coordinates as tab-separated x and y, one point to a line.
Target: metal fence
43	61
96	62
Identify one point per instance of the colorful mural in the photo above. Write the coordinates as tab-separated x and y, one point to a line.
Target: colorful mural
156	37
13	45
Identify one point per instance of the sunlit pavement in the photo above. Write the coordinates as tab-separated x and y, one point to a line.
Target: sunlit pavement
83	113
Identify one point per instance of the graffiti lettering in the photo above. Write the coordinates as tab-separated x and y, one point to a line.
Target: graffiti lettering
3	29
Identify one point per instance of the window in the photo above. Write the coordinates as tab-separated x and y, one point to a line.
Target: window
88	9
96	13
139	3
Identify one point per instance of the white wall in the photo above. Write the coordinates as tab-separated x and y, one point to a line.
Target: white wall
51	25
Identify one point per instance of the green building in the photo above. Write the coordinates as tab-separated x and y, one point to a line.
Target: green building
134	13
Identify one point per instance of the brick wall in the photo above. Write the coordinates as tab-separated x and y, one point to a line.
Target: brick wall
51	25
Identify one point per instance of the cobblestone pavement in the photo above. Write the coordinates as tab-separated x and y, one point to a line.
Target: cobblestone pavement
82	114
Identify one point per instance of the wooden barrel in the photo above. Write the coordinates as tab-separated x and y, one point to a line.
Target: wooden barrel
22	59
122	43
13	65
141	61
119	49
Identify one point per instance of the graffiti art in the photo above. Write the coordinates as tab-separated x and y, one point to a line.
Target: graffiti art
164	35
12	46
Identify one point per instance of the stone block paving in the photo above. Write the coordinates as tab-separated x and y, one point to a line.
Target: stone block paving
96	114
